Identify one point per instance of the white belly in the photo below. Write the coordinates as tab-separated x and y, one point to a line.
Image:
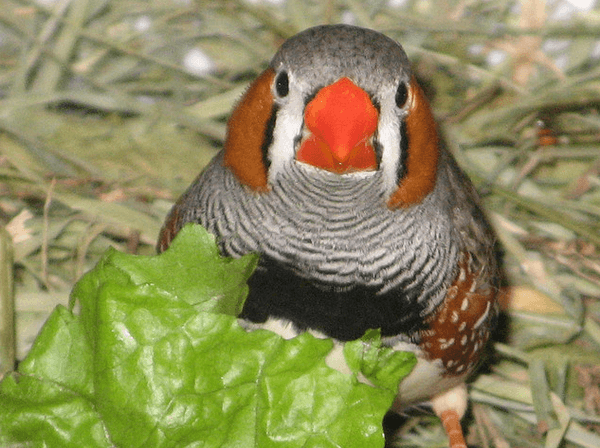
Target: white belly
423	383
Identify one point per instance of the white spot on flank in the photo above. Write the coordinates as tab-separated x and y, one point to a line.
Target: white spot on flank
465	304
483	317
473	286
454	318
462	327
464	340
444	344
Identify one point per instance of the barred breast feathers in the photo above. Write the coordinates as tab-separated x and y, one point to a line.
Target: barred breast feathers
329	229
470	224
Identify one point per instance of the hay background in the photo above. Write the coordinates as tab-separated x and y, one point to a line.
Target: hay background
103	123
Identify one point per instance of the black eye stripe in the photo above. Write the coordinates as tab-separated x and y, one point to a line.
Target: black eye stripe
401	94
401	169
375	103
268	136
282	84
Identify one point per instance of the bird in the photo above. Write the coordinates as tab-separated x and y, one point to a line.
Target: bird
333	171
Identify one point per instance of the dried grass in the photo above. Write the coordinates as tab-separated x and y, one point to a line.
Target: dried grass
102	127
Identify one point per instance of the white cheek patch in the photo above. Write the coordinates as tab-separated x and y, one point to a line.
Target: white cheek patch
389	139
287	127
289	123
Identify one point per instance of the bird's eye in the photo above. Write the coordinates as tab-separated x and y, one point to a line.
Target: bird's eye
282	84
401	95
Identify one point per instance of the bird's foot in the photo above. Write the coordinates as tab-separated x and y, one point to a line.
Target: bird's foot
450	406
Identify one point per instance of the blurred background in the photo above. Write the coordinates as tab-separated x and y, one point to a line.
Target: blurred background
109	109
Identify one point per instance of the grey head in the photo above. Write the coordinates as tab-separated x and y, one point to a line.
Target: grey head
321	55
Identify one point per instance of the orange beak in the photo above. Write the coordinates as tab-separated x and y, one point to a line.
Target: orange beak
342	121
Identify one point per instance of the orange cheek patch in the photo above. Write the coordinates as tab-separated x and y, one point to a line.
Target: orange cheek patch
246	133
423	153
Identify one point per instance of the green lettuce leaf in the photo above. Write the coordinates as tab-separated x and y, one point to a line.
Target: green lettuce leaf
155	357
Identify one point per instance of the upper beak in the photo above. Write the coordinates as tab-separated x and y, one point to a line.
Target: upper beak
341	119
